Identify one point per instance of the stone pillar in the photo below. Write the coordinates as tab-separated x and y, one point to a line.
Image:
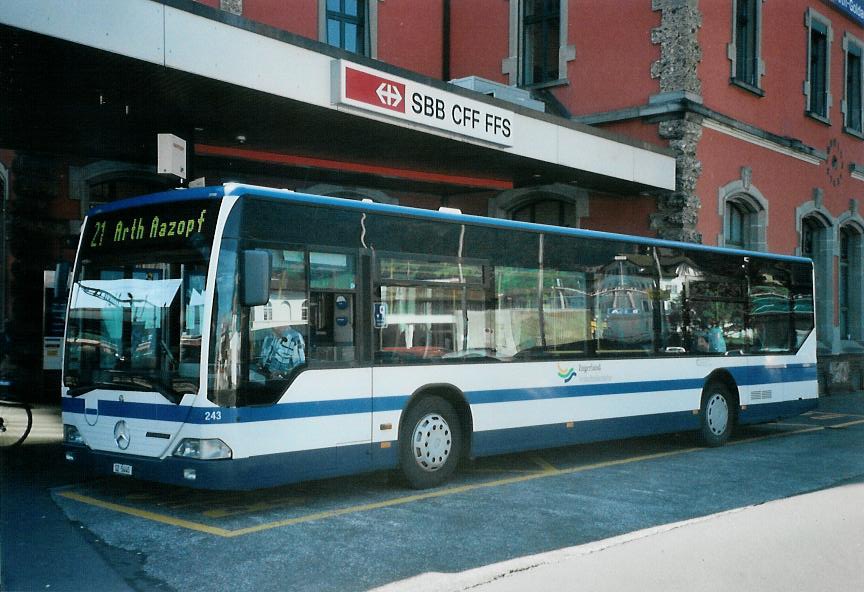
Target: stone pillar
232	6
676	71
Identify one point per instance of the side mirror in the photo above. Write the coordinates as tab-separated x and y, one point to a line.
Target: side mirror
254	277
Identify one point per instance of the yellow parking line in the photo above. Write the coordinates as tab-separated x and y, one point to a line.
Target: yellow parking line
546	472
86	499
777	435
824	416
544	464
450	491
847	424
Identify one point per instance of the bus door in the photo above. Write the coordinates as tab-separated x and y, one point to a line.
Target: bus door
304	354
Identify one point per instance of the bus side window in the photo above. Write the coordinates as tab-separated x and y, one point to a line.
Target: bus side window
771	303
332	284
279	329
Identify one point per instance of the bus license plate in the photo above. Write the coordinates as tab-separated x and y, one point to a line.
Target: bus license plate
122	469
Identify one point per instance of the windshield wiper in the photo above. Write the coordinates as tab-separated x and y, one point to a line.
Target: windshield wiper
104	295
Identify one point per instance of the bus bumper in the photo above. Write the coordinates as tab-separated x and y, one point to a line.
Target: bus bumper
239	474
232	474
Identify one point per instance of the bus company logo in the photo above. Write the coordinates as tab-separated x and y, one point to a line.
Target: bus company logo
566	374
374	90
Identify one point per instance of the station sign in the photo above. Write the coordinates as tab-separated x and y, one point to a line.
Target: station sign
854	9
406	100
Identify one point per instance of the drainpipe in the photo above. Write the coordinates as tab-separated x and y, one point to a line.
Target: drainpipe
445	41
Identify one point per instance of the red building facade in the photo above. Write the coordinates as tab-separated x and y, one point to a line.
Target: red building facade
760	102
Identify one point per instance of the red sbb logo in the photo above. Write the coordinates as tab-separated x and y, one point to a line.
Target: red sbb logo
374	90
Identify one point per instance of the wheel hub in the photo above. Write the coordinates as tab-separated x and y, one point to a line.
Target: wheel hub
717	413
432	442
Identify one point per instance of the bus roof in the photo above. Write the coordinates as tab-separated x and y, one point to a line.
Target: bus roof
240	189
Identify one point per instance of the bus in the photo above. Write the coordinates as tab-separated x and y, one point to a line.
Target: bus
240	337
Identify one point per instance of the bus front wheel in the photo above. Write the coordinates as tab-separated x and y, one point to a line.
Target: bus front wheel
430	443
717	416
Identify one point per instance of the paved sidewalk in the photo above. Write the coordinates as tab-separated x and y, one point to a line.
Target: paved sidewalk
809	542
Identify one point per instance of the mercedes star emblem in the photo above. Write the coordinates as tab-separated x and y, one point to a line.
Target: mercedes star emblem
122	435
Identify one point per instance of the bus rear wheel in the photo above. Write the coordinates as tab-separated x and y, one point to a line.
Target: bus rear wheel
717	416
430	443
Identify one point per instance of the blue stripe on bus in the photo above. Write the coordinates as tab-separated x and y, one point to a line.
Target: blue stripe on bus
205	415
586	390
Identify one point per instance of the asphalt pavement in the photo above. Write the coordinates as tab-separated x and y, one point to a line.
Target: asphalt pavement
778	508
40	548
808	542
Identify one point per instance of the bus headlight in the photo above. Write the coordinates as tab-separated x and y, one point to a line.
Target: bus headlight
212	449
71	435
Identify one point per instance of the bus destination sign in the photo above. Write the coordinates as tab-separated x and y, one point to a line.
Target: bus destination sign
174	225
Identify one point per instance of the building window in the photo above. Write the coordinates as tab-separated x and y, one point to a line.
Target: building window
105	181
816	243
558	204
736	215
547	211
744	214
346	25
851	283
112	189
350	192
745	51
538	50
541	30
852	105
810	230
817	86
843	287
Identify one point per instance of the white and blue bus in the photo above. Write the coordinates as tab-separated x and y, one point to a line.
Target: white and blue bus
240	337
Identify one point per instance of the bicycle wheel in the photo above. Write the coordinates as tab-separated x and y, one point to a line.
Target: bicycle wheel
16	419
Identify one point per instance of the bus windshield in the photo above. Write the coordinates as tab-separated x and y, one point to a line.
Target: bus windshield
136	313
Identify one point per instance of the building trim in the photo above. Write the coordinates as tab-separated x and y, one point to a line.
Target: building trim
204	150
762	142
677	104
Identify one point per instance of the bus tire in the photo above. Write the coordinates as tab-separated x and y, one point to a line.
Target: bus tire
430	443
717	415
